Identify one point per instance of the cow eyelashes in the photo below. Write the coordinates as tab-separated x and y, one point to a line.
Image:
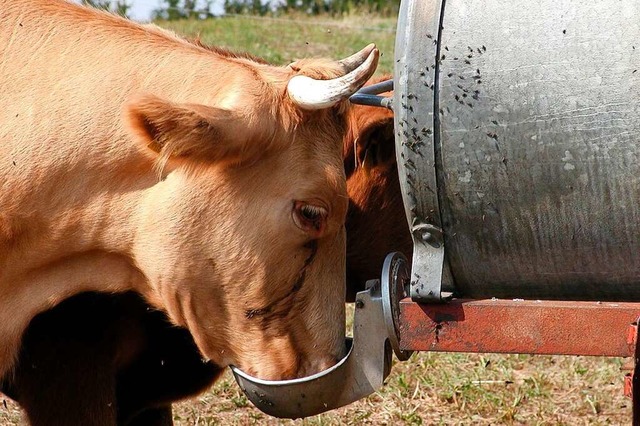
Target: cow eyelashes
310	218
312	213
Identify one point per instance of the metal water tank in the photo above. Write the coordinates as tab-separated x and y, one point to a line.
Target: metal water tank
518	144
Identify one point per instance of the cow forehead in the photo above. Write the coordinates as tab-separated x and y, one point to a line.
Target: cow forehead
319	176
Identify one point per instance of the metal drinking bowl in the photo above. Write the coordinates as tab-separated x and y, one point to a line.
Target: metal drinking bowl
301	397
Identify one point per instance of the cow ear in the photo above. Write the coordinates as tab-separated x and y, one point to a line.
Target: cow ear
375	146
188	131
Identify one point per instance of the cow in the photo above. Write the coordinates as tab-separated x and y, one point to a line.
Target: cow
102	360
211	185
376	220
124	363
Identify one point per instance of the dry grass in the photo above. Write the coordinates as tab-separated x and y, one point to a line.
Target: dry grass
430	388
461	389
456	389
10	414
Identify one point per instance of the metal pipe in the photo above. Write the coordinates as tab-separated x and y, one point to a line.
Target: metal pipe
376	89
372	100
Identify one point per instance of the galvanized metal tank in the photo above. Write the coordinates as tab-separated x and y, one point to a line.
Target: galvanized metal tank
518	143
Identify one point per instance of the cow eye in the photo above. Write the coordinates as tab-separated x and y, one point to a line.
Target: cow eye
311	218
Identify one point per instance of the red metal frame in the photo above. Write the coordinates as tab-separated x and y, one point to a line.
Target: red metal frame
527	327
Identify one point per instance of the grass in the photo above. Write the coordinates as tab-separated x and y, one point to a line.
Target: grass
283	40
430	388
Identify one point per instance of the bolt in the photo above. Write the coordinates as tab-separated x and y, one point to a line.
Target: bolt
359	304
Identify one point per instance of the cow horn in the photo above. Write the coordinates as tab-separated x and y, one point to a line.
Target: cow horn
356	59
312	94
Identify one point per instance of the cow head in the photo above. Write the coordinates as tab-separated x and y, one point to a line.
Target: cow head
376	219
242	240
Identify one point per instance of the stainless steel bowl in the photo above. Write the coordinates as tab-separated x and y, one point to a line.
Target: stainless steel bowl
301	397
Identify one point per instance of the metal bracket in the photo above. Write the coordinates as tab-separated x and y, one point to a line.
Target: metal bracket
369	95
428	263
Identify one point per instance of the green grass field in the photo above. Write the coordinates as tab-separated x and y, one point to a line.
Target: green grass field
430	388
282	40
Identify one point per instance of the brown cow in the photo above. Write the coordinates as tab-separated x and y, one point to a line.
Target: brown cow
110	360
376	221
212	185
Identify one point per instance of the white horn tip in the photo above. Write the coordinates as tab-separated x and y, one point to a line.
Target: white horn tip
312	94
